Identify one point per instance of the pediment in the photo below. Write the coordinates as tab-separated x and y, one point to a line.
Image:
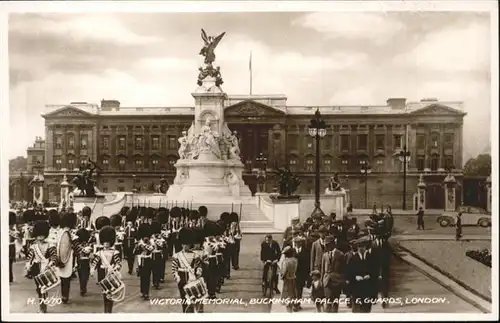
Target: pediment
437	109
68	111
249	108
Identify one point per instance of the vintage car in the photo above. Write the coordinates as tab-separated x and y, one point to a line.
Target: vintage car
471	215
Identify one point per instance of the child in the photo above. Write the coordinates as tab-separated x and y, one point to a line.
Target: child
317	291
106	260
41	255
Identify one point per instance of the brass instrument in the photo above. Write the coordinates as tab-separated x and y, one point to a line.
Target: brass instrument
148	247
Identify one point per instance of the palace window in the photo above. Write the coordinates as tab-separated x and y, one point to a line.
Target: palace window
345	162
105	163
434	163
105	142
58	163
122	143
83	142
420	163
293	165
448	163
327	140
104	189
71	163
172	143
435	140
122	164
171	164
398	142
380	142
362	142
327	165
58	140
138	164
155	142
138	142
420	141
71	142
448	140
121	189
309	165
121	180
154	163
344	142
83	162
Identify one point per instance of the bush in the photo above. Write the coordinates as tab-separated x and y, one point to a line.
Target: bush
483	256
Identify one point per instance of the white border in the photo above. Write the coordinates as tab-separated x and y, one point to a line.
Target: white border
228	6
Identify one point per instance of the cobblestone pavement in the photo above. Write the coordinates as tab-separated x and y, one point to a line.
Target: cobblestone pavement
244	284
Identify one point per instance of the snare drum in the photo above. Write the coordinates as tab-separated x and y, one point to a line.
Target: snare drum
47	280
112	283
196	289
183	275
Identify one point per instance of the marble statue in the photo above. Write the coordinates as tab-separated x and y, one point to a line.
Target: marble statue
208	140
333	184
234	151
183	142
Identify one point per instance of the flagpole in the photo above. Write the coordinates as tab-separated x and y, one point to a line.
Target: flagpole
250	68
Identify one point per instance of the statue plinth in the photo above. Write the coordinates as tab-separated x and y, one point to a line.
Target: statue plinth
95	203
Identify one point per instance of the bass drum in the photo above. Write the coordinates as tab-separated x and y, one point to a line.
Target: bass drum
64	247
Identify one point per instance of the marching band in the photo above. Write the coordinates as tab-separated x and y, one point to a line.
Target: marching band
59	247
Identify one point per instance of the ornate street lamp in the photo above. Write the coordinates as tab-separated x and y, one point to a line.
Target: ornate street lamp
365	170
260	171
404	157
317	130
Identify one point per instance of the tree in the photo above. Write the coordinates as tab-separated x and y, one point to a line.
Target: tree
17	164
479	166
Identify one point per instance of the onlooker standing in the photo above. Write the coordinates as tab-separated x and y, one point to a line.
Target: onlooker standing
458	233
420	219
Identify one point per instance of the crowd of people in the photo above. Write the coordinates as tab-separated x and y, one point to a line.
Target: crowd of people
332	257
61	245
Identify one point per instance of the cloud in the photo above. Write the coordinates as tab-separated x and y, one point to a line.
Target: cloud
103	28
376	27
452	49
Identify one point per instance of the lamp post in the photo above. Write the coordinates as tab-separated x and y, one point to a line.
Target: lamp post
260	171
365	170
317	130
404	157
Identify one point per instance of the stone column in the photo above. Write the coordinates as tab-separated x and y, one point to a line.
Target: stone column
77	146
450	184
421	188
488	194
49	147
64	189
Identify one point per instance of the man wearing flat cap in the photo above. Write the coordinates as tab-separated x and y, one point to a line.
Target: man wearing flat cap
289	230
333	274
303	266
317	249
361	272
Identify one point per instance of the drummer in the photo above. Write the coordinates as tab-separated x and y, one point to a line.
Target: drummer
186	266
144	250
41	256
105	261
83	259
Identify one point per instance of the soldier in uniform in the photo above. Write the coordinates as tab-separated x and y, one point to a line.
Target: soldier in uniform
199	251
116	223
85	219
163	218
235	232
158	263
83	259
229	241
129	241
175	215
100	223
14	236
186	266
41	255
210	247
54	221
28	217
203	211
106	260
220	252
144	250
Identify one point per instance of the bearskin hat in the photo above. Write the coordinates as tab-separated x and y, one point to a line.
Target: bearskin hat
107	234
221	227
132	215
203	211
86	211
162	216
12	218
370	224
68	220
155	227
83	235
54	218
41	228
115	220
187	236
144	230
101	222
233	217
199	235
124	211
211	229
194	215
28	216
225	217
175	212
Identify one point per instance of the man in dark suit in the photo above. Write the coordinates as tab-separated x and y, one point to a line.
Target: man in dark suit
362	270
332	274
290	230
270	253
303	256
420	219
382	254
317	249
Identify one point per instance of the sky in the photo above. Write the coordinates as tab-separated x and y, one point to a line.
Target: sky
314	58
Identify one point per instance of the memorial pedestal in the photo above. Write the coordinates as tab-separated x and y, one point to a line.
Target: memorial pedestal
96	204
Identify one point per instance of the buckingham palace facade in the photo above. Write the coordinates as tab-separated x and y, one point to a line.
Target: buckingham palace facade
136	146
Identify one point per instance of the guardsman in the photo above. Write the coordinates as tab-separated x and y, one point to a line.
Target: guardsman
116	223
106	260
210	248
229	240
186	266
165	234
83	259
130	241
360	274
158	263
220	252
176	226
199	239
194	216
123	213
14	236
144	250
85	219
100	223
203	211
41	256
26	231
54	221
235	231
